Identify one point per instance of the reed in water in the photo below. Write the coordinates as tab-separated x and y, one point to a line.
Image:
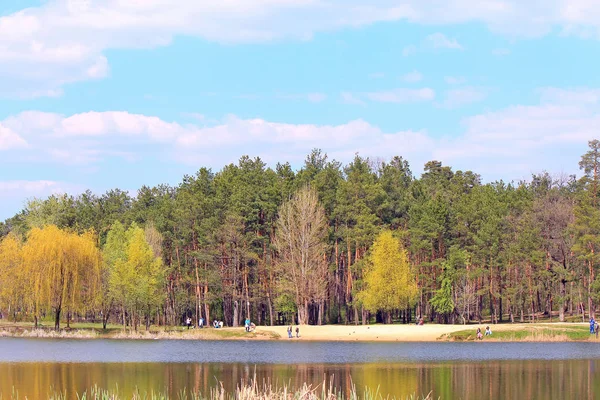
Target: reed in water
249	391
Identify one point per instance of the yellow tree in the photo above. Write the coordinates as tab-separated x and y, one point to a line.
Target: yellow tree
62	271
389	283
11	274
136	278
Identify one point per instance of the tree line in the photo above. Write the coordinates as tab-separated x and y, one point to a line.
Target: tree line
328	243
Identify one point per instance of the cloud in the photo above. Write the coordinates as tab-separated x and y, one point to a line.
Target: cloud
509	143
501	52
409	50
349	98
15	193
314	97
440	41
412	77
402	95
10	140
29	188
466	95
376	75
64	41
519	140
455	80
570	96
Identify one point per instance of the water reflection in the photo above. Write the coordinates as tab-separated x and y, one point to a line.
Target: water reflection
463	380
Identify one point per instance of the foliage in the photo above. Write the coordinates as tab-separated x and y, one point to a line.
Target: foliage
225	245
389	281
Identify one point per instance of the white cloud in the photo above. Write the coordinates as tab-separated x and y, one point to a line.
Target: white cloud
440	41
409	50
10	140
520	140
29	188
412	77
508	143
402	95
463	96
570	96
311	97
63	41
15	193
349	98
455	80
376	75
500	52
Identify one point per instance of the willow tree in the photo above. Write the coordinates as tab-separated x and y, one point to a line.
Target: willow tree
300	240
62	269
11	274
389	283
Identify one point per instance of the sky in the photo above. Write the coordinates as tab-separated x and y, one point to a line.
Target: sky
101	94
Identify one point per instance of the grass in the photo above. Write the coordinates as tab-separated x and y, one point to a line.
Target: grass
88	330
249	391
558	333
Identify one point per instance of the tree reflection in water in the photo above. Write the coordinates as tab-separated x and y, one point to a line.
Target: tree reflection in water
451	380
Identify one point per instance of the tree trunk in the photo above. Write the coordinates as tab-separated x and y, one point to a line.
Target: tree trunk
270	305
562	305
320	318
105	320
57	319
235	313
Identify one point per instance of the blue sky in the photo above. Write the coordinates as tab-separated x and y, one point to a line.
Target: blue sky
120	93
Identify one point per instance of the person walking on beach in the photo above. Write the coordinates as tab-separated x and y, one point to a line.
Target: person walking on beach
247	324
297	332
289	331
592	326
188	322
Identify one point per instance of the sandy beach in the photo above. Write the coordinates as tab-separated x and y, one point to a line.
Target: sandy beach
399	332
392	333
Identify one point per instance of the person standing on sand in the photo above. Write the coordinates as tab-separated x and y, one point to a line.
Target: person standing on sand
592	325
298	332
289	331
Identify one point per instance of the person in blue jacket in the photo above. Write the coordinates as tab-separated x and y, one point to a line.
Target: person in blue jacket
592	326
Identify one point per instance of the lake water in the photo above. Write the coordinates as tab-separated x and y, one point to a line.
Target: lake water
449	370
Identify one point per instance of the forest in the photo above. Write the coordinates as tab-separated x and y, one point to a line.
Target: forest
366	242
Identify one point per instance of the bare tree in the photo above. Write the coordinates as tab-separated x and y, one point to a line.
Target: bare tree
466	298
300	240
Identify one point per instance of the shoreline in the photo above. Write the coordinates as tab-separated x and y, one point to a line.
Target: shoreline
521	332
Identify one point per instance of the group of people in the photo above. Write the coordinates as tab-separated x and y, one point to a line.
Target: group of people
290	334
217	324
488	332
249	326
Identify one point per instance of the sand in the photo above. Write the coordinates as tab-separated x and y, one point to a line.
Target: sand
391	333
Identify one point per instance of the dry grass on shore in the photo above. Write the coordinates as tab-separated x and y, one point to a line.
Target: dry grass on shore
250	391
522	332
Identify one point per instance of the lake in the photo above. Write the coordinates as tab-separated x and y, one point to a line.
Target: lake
449	370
